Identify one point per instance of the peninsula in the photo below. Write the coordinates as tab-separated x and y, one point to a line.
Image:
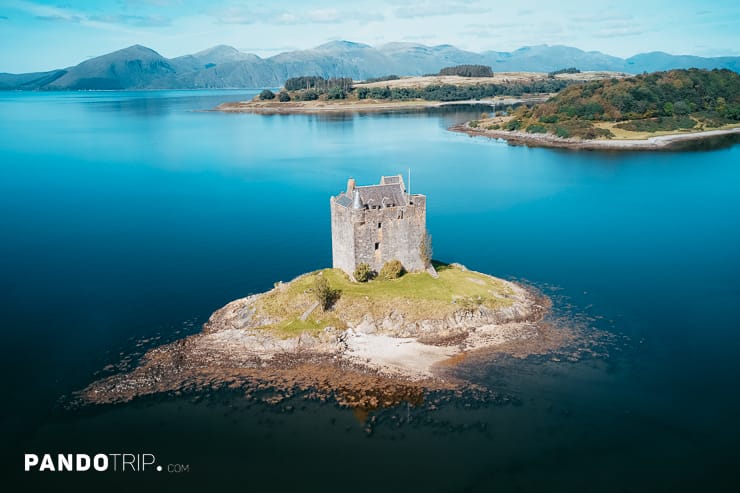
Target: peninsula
646	112
383	324
311	94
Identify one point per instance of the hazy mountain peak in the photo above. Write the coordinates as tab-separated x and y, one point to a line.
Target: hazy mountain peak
396	45
654	53
341	45
223	54
218	49
135	51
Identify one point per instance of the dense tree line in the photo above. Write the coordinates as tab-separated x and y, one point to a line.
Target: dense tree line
320	84
382	78
449	92
468	71
569	70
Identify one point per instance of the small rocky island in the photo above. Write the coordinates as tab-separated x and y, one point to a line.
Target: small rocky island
385	323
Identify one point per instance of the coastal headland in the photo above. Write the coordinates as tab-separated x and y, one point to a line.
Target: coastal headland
379	343
402	93
662	110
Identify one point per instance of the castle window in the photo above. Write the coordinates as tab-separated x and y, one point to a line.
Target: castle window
379	225
400	214
377	245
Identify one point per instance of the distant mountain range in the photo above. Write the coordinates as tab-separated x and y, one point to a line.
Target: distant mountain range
139	67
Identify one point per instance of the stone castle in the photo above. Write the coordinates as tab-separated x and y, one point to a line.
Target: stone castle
377	223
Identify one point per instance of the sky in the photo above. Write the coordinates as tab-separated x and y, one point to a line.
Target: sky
38	35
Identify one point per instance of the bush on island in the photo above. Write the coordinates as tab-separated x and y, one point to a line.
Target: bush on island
283	97
325	295
267	94
536	129
336	93
513	125
562	132
393	269
363	272
309	95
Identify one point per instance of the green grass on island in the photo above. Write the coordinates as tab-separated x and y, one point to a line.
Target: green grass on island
413	296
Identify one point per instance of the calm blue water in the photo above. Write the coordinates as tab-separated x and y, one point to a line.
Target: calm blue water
132	215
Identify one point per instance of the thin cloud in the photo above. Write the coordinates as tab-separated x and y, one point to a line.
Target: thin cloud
480	32
498	25
418	38
618	28
434	9
154	3
618	32
240	15
328	16
48	13
130	20
60	18
598	18
133	20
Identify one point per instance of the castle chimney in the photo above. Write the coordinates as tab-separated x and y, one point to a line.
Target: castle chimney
357	202
350	187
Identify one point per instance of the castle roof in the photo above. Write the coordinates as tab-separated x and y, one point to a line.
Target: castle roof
344	200
375	196
389	193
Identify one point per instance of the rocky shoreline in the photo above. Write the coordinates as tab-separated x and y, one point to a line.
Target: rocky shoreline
657	143
378	362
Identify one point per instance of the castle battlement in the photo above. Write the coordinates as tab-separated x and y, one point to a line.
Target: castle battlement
377	223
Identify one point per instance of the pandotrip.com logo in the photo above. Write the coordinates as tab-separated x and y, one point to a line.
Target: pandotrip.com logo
115	462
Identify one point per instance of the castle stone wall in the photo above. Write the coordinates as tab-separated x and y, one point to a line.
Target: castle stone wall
375	236
342	237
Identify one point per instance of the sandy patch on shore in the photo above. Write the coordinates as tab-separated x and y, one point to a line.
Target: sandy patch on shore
400	356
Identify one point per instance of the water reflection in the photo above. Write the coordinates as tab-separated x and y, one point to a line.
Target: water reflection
147	104
708	144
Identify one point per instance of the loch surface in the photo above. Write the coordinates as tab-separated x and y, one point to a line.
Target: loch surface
127	218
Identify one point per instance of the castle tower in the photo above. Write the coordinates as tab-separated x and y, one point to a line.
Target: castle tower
377	223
